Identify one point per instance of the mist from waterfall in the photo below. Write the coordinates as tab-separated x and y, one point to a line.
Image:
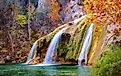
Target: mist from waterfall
86	46
32	53
53	47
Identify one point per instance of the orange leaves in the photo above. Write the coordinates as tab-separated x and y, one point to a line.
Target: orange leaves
54	7
105	11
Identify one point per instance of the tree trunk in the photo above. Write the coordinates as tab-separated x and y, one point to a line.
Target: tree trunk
29	28
11	43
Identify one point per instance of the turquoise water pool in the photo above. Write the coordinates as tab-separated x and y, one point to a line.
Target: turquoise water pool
42	70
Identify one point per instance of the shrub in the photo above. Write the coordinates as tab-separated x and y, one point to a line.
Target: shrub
21	20
110	62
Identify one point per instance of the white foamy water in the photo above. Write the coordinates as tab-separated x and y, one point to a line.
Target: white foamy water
32	53
86	46
53	46
44	64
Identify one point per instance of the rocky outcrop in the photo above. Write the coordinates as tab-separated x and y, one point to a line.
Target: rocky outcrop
104	36
69	47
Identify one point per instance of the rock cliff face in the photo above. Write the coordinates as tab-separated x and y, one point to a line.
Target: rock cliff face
73	10
70	45
69	9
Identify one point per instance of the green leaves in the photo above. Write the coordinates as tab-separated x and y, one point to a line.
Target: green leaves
110	62
21	20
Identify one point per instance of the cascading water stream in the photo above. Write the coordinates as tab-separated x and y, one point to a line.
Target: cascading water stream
32	53
86	46
53	46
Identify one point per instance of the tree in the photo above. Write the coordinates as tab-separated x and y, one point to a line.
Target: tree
6	20
30	11
104	11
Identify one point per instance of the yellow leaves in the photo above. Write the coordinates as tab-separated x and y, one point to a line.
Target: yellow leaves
85	2
105	11
95	3
19	52
21	19
109	2
4	50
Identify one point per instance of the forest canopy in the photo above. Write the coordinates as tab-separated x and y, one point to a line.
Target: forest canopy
104	11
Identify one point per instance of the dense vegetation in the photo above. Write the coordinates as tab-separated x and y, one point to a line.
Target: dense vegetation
20	26
21	23
104	11
110	62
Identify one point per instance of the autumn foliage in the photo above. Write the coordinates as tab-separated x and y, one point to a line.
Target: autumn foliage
55	8
104	11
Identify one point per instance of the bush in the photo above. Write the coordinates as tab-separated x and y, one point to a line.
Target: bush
110	62
21	20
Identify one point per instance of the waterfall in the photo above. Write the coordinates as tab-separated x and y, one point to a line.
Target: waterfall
32	53
52	47
86	46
